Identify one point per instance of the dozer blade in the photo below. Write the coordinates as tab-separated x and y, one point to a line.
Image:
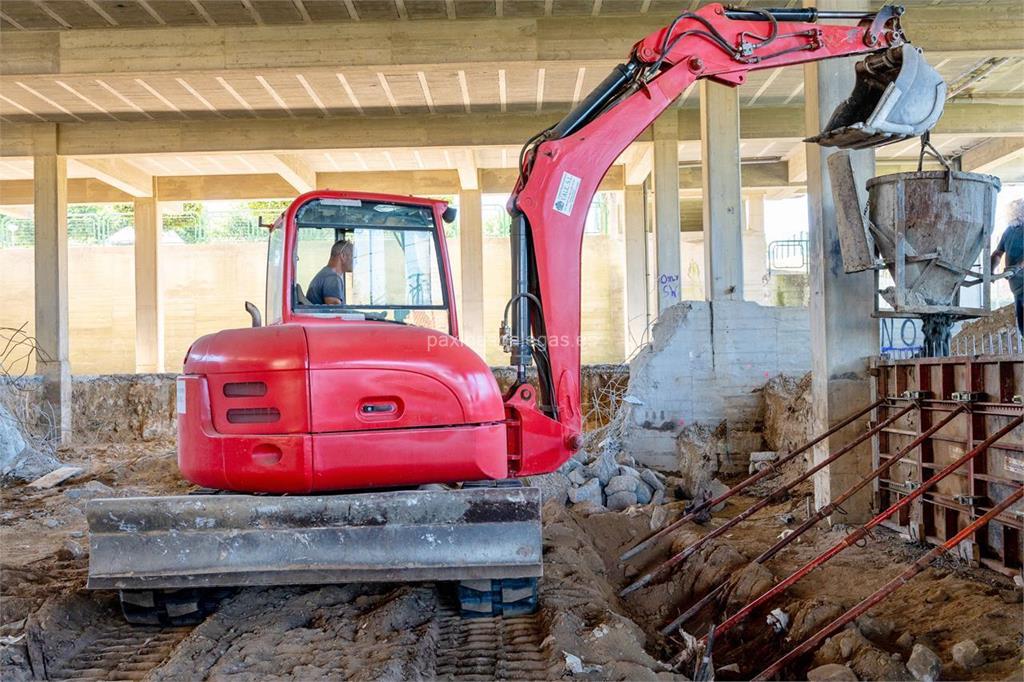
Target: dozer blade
897	96
236	540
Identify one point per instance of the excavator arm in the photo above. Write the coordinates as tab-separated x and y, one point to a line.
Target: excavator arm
897	96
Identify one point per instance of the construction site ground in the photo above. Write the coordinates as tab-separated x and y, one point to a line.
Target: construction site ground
53	628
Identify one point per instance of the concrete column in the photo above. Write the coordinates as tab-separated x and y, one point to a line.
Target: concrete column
755	246
636	267
723	204
51	278
149	317
843	334
666	208
471	248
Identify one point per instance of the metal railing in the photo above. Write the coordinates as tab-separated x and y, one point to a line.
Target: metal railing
787	256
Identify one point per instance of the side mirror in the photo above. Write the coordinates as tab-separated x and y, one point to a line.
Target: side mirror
254	313
449	214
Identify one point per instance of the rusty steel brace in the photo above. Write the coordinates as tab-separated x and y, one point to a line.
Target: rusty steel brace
861	532
746	483
820	514
891	586
762	503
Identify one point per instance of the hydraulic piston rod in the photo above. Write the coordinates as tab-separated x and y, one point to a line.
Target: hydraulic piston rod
819	515
764	502
746	483
861	532
890	587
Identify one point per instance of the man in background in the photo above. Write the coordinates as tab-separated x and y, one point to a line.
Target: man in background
1011	245
328	286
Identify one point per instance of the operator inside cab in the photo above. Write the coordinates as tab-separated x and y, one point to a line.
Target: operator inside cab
328	286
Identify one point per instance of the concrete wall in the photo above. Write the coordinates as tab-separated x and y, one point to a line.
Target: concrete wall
205	286
706	365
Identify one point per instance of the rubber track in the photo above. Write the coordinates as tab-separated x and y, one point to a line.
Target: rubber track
490	648
121	652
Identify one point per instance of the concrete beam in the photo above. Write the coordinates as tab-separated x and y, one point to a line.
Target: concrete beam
638	160
295	171
796	164
478	129
51	281
120	174
666	211
723	202
991	153
417	44
17	212
80	191
465	164
754	175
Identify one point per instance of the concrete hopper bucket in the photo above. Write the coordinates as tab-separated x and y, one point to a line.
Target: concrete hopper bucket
897	96
932	225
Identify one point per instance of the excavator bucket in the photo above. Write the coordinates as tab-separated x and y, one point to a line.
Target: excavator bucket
146	543
897	96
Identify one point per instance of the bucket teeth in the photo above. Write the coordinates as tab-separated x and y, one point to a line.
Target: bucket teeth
897	96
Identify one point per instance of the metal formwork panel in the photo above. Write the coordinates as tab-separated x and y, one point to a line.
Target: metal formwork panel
992	384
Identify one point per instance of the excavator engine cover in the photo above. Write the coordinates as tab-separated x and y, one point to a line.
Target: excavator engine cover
144	543
897	96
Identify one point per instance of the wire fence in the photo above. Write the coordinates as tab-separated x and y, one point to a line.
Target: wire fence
33	417
115	225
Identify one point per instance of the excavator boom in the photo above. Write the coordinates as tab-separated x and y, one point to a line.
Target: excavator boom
897	96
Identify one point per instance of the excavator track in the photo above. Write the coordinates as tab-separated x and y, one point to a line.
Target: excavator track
121	651
502	648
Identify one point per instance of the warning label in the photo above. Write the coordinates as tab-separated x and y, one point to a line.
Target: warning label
1014	467
566	197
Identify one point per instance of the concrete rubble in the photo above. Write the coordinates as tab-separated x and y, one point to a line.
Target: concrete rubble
608	485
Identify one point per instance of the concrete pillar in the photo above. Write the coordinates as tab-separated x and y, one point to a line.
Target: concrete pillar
51	279
755	247
843	334
723	203
636	267
149	317
666	208
471	249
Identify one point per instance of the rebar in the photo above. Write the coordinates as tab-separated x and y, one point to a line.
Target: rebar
761	504
891	586
814	519
858	534
746	483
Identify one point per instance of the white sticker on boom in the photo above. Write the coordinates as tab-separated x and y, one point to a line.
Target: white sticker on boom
180	395
566	197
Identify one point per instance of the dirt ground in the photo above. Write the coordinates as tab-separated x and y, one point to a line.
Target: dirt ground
50	627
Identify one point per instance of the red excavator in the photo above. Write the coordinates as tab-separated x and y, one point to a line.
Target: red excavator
371	390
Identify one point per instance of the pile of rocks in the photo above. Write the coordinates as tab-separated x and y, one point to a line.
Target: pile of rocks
604	482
